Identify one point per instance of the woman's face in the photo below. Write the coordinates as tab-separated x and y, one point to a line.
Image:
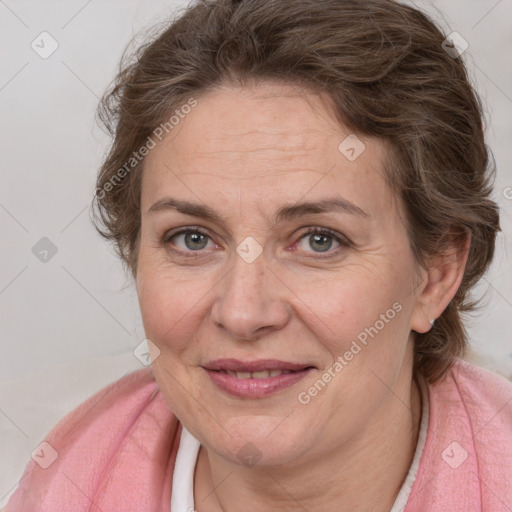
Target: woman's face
231	268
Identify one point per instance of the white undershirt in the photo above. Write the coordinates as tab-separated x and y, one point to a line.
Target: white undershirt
182	493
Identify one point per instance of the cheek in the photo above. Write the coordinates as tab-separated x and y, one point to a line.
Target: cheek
160	304
170	307
341	309
364	329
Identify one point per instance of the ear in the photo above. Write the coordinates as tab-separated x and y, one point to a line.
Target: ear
440	284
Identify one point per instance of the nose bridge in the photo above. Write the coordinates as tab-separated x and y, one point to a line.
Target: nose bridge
244	287
248	298
249	263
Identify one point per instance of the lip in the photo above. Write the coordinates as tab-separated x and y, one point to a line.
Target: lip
235	365
255	388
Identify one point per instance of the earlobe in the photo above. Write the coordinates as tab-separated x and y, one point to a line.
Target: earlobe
440	286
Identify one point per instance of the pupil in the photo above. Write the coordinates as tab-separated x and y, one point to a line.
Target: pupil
194	238
319	238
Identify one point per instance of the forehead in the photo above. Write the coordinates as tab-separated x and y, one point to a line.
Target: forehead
271	140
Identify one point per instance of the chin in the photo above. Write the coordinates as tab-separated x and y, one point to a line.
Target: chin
257	440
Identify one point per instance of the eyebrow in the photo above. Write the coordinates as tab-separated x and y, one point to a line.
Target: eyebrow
287	212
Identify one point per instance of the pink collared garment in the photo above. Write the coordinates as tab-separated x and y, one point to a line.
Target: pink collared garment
116	451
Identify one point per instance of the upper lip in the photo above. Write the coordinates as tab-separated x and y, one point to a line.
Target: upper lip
236	365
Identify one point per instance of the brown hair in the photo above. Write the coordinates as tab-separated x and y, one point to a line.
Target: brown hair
383	65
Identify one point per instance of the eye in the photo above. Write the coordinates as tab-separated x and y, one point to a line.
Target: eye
192	240
188	240
321	240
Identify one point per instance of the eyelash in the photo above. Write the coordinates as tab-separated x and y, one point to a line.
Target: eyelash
343	241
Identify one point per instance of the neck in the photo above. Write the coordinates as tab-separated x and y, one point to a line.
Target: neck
364	475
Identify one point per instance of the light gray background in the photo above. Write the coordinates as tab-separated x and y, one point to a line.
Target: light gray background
68	326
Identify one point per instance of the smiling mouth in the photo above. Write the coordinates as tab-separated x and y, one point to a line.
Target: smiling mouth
255	379
257	369
264	374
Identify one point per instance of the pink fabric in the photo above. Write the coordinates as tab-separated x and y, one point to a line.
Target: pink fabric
470	413
116	451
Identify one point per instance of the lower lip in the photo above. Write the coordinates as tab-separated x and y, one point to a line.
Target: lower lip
255	388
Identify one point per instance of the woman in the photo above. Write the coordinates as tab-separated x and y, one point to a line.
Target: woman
301	191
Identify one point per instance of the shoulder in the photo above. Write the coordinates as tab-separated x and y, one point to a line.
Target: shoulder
480	396
112	404
480	388
467	457
126	394
473	406
125	430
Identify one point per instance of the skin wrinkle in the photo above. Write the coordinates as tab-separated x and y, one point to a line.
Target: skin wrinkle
353	79
354	442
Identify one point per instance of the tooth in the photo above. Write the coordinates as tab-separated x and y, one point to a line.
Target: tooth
264	374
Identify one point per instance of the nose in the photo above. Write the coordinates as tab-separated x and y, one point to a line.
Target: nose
251	301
